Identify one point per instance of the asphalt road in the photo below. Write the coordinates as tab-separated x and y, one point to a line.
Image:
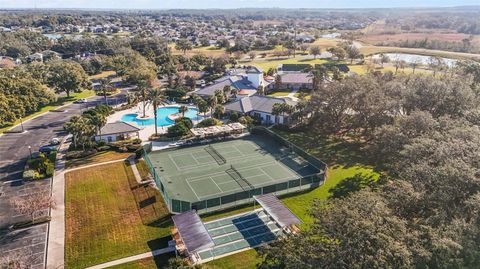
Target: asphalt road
14	152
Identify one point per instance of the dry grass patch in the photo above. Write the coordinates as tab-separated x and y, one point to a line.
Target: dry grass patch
106	216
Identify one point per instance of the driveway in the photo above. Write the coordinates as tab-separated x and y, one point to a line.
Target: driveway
13	155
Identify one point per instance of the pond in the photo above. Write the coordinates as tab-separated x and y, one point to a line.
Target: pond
411	58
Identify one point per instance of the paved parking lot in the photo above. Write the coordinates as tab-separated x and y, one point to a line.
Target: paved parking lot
13	155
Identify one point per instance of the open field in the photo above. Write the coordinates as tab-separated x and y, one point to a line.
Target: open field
108	216
99	157
267	63
61	101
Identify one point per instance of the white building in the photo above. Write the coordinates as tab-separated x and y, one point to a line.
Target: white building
117	131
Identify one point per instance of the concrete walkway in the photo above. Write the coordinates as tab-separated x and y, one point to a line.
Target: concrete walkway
135	170
56	230
95	164
133	258
292	95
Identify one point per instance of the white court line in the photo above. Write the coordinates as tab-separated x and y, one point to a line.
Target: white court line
193	167
174	163
241	169
200	199
193	157
193	190
215	183
200	150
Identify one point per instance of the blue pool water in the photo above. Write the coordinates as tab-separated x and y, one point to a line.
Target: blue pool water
162	117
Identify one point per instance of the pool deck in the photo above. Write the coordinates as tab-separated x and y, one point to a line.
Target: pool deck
145	131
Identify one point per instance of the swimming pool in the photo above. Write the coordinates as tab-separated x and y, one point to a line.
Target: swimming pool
162	116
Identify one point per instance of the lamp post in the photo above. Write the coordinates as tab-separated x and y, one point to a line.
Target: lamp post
30	149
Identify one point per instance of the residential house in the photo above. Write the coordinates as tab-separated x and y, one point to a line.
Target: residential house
261	107
296	81
117	131
246	82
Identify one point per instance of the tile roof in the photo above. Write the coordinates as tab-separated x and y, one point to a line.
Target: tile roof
303	78
256	103
238	82
119	127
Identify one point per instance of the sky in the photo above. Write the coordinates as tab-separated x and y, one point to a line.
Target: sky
205	4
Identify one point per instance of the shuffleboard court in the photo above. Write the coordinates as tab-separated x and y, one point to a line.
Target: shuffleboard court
203	172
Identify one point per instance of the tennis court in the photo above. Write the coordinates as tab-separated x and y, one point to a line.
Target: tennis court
231	170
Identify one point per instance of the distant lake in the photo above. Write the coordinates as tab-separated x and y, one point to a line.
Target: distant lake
410	58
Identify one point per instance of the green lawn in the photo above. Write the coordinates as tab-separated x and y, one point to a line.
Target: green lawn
280	93
60	102
108	216
267	63
99	157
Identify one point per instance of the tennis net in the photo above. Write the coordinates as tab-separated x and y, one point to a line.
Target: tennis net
215	155
243	182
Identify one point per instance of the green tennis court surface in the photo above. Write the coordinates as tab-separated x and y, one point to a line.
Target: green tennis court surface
203	172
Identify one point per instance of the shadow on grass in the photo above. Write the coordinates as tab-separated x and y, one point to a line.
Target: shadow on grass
333	151
352	184
159	243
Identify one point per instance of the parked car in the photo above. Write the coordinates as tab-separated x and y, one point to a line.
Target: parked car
55	141
81	101
47	149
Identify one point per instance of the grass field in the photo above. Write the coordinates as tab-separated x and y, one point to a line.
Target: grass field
108	216
99	157
267	63
61	101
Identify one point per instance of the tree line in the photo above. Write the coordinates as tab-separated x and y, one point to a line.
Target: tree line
422	134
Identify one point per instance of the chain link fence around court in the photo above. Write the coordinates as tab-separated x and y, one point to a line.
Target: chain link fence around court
245	196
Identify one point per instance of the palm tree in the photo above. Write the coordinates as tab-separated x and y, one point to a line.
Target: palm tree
212	103
318	76
261	90
234	92
105	86
157	98
143	94
183	109
219	111
203	107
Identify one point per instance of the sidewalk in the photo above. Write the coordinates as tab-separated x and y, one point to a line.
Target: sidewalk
56	230
133	258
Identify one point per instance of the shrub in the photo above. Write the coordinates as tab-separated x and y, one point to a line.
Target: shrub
52	156
139	153
50	169
207	122
103	148
247	120
136	141
234	117
101	143
28	174
178	130
80	153
188	122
